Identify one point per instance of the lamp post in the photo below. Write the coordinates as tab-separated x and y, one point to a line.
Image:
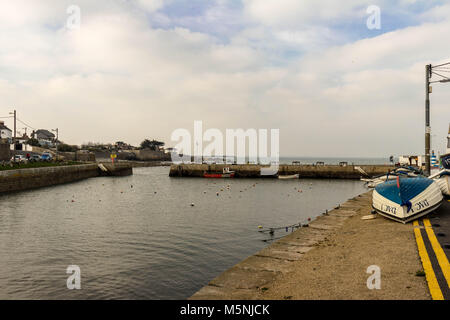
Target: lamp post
429	71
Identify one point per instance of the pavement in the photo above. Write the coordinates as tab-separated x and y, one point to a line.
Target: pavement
433	241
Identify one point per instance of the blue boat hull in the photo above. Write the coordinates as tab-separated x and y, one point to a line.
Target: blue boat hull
445	160
406	199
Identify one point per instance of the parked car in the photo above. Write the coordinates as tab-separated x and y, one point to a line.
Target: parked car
46	157
18	158
35	158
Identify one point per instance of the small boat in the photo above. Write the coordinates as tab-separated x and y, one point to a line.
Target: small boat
405	171
445	160
226	173
406	199
442	178
293	176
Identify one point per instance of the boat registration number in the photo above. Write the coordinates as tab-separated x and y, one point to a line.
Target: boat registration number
421	205
417	206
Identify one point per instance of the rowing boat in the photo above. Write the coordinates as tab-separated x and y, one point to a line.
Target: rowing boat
406	199
293	176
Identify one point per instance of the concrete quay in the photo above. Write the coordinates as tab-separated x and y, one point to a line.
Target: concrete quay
329	259
31	178
305	171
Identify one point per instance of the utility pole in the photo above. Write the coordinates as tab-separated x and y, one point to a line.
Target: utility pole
57	137
427	119
15	121
429	71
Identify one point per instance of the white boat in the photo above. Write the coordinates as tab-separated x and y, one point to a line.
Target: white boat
402	171
293	176
442	178
406	199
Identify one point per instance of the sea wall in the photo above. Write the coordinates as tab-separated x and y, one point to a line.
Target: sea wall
24	179
116	169
5	153
135	155
305	171
78	156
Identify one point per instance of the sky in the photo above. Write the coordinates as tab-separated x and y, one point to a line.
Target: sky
137	69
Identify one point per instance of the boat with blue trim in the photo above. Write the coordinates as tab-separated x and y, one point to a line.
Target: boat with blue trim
442	178
403	171
406	199
445	159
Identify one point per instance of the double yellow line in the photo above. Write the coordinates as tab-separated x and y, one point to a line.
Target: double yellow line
433	284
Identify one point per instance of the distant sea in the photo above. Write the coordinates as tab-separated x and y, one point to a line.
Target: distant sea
326	160
336	160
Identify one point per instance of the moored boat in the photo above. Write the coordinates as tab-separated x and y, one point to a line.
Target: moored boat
406	199
442	178
445	160
406	171
226	173
287	177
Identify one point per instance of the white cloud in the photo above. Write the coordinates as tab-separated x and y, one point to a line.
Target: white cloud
119	79
151	5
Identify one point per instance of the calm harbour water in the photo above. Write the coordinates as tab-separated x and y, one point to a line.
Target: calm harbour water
138	237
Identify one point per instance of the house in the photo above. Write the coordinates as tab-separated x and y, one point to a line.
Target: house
412	160
45	137
5	132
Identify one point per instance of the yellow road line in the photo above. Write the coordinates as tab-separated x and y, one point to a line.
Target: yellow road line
440	254
433	285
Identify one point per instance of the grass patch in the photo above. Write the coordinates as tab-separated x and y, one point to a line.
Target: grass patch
15	166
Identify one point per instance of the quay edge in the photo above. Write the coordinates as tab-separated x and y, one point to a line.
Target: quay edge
305	171
32	178
328	260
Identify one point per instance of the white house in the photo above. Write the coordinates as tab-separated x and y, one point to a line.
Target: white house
418	161
5	132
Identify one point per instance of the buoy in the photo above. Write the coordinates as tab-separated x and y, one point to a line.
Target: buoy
192	204
217	194
260	227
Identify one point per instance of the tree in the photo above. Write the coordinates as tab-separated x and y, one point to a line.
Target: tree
33	142
152	145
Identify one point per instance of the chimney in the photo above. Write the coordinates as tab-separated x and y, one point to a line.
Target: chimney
2	123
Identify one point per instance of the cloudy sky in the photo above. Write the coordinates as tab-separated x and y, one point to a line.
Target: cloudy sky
313	69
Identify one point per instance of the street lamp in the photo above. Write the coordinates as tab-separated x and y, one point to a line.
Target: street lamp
429	71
